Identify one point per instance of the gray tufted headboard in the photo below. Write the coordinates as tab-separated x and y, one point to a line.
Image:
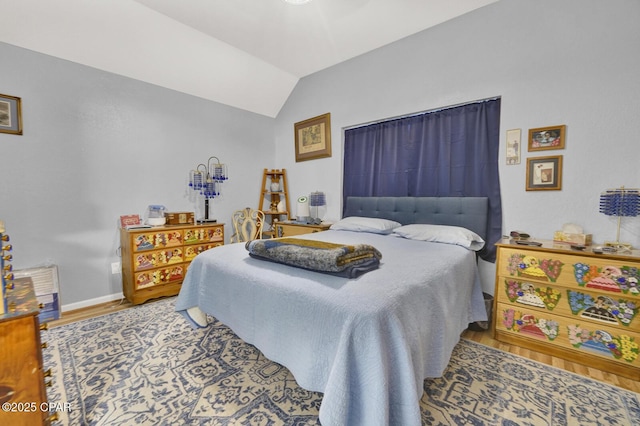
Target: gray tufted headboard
468	212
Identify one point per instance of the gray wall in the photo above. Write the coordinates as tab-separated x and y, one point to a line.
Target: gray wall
97	146
572	62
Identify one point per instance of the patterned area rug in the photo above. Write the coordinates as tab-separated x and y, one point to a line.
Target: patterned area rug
147	366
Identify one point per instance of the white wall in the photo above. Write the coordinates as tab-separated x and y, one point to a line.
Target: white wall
97	146
552	62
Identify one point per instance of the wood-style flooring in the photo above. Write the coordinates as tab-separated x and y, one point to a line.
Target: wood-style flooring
483	337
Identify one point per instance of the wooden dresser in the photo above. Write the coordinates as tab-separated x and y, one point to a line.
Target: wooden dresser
289	229
22	377
155	260
576	305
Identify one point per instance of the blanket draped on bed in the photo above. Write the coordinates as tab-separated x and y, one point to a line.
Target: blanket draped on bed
342	260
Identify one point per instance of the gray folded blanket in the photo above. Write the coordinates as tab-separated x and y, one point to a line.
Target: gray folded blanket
342	260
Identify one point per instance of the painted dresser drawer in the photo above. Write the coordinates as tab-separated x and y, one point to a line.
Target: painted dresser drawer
159	276
191	251
143	241
617	310
608	275
157	258
612	344
203	235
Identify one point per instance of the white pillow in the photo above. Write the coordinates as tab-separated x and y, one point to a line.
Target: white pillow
365	224
442	234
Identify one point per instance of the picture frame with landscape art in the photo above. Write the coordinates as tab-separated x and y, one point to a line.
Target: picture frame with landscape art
544	173
543	138
10	115
313	138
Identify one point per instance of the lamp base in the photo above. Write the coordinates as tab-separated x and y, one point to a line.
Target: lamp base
618	246
201	221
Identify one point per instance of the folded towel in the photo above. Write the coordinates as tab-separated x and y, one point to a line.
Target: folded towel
337	259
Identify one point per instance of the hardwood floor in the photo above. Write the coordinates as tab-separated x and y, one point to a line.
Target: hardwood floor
91	311
483	337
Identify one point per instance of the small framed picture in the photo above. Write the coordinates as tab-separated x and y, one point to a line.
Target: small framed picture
10	115
513	146
313	138
544	173
543	138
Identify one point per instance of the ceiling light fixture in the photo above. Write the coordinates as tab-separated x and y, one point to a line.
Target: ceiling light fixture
297	1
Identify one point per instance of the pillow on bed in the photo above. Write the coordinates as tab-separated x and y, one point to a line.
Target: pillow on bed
365	224
442	234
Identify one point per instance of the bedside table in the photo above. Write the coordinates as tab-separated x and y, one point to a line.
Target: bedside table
284	229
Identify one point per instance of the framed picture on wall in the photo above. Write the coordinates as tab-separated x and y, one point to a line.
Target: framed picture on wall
544	173
10	115
513	146
313	138
543	138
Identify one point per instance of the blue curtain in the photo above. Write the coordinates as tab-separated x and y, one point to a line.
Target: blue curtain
446	153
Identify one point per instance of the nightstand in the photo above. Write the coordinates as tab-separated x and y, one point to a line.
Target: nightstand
289	229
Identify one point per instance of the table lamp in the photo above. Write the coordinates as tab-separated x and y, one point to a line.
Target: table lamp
317	199
620	202
207	180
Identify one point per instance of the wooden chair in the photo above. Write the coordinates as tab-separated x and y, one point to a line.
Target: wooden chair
247	225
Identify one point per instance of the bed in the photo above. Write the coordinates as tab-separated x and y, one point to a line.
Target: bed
367	343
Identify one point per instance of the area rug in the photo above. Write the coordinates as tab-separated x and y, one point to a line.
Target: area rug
147	366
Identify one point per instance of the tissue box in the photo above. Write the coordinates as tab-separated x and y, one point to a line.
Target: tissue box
573	239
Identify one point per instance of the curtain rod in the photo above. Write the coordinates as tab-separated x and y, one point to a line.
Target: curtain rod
398	117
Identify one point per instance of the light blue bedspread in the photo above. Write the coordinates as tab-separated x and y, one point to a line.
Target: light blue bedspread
366	343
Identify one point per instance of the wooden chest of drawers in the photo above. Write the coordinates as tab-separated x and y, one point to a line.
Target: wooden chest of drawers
22	376
571	304
155	260
289	229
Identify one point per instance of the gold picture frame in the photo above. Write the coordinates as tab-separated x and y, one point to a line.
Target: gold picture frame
313	138
10	115
544	173
543	138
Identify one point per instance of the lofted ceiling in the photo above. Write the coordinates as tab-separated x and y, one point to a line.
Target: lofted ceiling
248	54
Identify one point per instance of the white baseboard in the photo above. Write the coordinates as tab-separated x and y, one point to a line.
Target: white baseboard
92	302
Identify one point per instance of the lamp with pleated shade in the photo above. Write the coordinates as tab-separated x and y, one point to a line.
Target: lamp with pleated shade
317	199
